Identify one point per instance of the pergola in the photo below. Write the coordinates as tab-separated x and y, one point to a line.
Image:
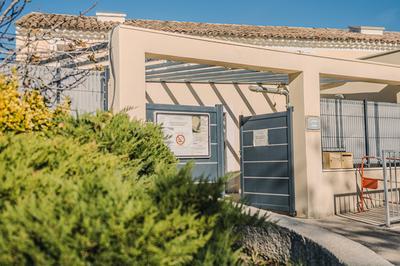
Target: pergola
142	55
159	70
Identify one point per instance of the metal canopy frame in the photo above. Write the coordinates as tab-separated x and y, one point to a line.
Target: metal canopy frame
182	72
171	71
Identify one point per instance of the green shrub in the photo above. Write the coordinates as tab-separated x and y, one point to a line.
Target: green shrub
63	203
25	111
139	145
172	188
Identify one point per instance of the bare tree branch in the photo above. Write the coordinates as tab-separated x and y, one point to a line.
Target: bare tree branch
88	9
45	59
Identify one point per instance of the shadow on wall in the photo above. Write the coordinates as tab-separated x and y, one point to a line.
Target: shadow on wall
231	96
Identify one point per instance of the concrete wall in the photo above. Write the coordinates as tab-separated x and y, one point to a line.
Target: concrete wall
293	241
365	91
340	181
390	58
349	50
347	53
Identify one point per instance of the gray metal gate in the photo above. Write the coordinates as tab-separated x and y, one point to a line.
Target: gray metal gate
266	161
211	165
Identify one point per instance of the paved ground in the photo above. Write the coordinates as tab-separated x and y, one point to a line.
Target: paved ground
384	242
345	250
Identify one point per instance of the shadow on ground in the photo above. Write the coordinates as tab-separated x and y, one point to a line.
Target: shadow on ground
383	241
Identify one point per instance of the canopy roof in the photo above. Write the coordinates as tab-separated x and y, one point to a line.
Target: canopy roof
172	71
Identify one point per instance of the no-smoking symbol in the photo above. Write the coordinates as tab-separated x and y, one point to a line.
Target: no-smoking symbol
180	139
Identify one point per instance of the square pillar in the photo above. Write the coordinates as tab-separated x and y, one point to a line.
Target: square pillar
305	98
397	94
128	62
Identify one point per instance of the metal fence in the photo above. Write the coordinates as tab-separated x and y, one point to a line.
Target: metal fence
87	89
360	127
391	161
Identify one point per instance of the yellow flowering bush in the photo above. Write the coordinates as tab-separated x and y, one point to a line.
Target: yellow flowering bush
24	111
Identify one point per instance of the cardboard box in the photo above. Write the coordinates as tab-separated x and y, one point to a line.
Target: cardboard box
337	160
347	160
332	160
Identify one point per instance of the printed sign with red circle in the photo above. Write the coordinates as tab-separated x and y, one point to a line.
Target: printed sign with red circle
180	139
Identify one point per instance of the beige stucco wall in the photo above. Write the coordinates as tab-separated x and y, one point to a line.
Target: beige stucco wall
365	91
343	53
339	181
341	49
237	100
347	53
390	58
369	91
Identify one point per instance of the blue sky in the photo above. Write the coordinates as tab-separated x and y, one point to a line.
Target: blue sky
310	13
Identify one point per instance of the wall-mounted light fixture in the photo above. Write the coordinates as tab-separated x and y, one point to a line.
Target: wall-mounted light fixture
339	96
280	89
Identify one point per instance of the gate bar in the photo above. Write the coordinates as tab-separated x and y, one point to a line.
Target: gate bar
387	215
291	161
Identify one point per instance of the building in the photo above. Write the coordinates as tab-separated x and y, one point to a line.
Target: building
202	64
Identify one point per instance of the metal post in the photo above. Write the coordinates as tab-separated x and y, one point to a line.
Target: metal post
377	130
58	85
396	194
105	77
386	196
241	122
221	142
341	130
366	134
390	184
292	206
338	118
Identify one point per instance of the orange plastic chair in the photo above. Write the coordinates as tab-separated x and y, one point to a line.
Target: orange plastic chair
366	182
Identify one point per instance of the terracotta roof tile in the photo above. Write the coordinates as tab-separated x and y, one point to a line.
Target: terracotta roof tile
88	23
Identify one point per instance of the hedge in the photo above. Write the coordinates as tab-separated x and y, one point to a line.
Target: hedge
63	203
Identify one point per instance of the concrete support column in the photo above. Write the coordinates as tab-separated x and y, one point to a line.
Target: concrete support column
398	94
305	98
128	61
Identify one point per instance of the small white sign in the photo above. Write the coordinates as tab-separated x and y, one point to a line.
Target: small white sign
313	123
260	137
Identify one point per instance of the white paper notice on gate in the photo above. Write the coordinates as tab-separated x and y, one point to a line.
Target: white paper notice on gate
187	134
260	137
